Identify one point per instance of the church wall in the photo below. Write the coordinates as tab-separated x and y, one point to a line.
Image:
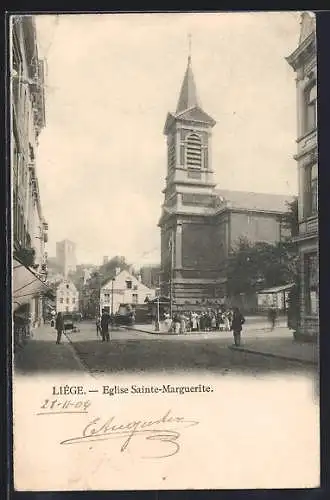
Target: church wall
199	249
254	227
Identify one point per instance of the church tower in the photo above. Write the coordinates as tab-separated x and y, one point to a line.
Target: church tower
186	223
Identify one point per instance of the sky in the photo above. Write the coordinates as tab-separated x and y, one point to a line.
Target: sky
111	79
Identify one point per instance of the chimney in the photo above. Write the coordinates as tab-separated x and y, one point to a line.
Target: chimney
117	270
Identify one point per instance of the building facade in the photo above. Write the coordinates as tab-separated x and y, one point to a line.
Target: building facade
67	297
27	121
150	275
123	288
303	62
200	224
66	256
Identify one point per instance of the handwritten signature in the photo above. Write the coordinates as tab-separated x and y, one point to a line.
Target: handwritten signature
151	430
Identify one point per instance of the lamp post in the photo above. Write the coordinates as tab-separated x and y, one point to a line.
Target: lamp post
112	282
99	294
157	325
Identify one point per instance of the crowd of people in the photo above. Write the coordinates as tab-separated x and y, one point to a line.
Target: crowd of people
223	319
205	321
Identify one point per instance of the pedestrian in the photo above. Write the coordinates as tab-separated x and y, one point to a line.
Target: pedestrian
182	320
194	322
105	320
272	313
59	325
98	325
236	325
176	324
227	321
213	323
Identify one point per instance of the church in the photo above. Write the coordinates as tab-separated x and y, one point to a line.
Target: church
199	223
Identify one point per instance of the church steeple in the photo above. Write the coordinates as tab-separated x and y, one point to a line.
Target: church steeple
188	94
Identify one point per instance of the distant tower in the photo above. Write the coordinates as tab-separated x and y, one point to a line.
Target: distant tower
186	220
66	256
105	259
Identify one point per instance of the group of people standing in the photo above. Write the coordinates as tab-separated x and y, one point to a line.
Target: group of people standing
206	321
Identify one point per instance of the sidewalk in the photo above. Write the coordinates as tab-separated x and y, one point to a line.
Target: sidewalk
283	348
42	354
256	339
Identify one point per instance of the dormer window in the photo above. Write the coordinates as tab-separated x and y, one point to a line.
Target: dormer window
128	284
194	151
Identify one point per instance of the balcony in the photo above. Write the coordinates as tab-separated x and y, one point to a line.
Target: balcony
308	228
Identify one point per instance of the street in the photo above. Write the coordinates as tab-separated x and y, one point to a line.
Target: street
135	351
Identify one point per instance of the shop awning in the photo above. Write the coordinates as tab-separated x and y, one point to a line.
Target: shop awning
25	285
277	289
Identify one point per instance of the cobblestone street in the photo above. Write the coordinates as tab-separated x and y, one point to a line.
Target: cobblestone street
135	351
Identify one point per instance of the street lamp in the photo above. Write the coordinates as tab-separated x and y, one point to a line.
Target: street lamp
112	282
157	325
99	282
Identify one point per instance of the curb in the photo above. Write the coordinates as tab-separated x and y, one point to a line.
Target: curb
272	355
189	333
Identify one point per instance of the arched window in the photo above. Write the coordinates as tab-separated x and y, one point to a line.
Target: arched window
194	151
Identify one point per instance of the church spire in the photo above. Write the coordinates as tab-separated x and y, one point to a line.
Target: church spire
188	94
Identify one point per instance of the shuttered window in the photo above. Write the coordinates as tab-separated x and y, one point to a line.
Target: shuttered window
194	151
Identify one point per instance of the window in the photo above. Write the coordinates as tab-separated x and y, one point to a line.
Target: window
107	297
73	301
135	298
194	151
128	284
61	300
311	283
310	108
68	301
311	190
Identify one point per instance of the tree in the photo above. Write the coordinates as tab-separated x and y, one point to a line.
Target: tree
252	266
290	218
108	270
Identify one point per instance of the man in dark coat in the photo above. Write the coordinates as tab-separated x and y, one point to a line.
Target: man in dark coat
59	325
236	325
105	320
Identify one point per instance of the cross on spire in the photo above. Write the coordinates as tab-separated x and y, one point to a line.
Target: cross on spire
189	46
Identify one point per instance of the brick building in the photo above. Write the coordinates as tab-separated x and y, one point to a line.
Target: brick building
303	61
199	223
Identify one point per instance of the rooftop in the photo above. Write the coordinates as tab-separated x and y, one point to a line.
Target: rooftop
264	202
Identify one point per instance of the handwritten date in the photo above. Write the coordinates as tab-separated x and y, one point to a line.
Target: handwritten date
52	405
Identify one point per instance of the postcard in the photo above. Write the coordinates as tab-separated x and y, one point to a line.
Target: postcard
165	289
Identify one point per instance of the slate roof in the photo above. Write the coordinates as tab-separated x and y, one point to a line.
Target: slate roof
188	94
254	201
